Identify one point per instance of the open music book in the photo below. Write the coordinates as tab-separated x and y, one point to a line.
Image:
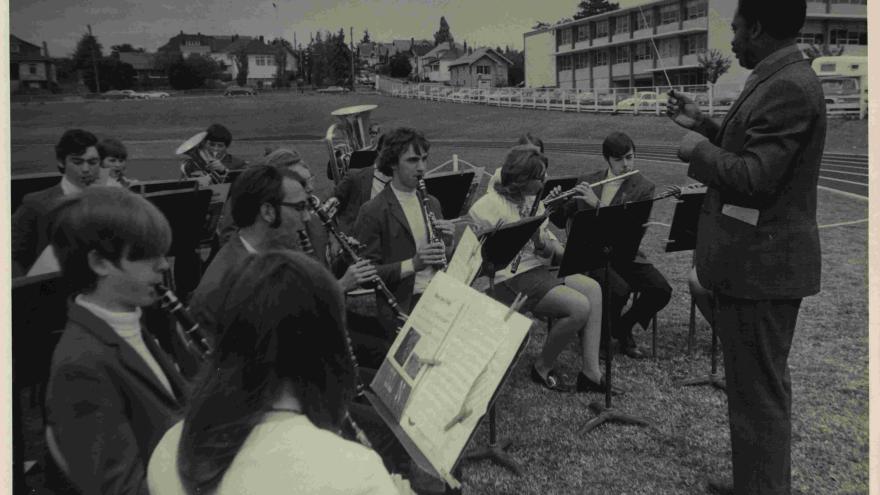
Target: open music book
441	373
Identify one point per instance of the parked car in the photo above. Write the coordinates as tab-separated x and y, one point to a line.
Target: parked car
642	99
240	90
154	94
121	94
333	89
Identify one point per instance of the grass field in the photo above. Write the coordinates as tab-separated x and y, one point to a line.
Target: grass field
689	439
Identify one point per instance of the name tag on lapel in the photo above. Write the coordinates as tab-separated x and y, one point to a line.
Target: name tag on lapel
747	215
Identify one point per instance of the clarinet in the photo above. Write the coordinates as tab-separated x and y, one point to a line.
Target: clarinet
514	266
352	253
192	335
305	244
428	215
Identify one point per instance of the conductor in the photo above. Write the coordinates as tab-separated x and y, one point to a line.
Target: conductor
757	240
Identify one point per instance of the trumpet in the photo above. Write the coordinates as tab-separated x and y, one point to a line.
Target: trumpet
193	338
428	215
560	199
349	245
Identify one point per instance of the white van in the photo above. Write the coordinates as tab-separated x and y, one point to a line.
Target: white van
844	81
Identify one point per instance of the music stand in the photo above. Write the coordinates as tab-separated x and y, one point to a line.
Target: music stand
155	186
500	247
362	159
596	238
22	185
564	183
683	237
451	189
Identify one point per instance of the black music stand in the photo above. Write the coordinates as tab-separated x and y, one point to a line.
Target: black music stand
451	189
28	183
683	237
362	159
500	247
597	237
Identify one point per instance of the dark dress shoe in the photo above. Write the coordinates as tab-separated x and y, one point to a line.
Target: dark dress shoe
629	347
553	380
719	486
584	384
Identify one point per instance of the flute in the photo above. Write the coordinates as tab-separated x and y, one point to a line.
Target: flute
428	215
556	201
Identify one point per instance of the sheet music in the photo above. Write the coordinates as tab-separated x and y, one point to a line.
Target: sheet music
466	261
449	358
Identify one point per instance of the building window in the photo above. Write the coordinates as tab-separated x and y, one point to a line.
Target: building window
621	24
484	69
565	62
601	58
846	37
668	47
642	51
854	2
621	54
602	28
565	37
811	38
583	32
32	68
694	43
694	9
644	19
668	14
581	60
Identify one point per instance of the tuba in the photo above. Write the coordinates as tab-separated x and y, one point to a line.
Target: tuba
353	126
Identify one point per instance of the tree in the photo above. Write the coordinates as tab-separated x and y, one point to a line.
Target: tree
366	38
112	74
86	48
588	8
443	34
541	25
399	65
192	72
714	64
282	47
124	48
813	51
240	59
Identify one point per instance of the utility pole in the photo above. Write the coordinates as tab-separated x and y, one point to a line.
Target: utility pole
94	62
351	42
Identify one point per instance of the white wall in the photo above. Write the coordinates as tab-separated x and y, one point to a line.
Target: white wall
540	62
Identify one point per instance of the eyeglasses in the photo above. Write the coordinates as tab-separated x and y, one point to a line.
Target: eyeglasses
300	206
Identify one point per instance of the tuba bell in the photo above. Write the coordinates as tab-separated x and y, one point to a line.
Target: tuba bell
353	127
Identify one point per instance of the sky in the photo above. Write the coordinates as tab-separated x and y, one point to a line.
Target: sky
150	23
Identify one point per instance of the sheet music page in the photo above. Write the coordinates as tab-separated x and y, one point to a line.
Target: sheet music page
466	260
449	357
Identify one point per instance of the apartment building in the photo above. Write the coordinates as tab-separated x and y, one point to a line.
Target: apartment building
643	45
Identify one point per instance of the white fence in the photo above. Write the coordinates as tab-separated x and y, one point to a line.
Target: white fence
614	100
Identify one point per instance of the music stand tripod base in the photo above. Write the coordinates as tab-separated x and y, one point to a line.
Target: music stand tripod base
495	450
610	415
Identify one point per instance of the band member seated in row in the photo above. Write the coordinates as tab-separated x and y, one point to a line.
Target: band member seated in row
625	277
80	165
526	139
394	226
113	158
266	416
356	188
575	302
210	157
112	392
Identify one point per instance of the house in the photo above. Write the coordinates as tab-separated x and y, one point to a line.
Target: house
416	52
373	54
262	58
144	66
30	66
484	68
435	64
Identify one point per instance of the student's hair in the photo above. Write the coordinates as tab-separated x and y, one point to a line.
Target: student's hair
218	132
280	158
523	163
617	144
255	186
111	221
782	19
283	321
395	143
110	147
73	142
528	138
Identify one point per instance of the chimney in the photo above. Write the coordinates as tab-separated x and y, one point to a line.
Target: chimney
45	50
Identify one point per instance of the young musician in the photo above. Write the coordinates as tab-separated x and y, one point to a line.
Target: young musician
575	301
266	418
80	164
211	156
112	392
113	157
624	277
356	188
394	226
758	245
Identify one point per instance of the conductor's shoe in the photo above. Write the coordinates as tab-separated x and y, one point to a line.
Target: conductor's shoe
584	384
719	486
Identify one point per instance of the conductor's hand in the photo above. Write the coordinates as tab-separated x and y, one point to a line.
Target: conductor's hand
585	192
432	254
358	275
683	111
445	228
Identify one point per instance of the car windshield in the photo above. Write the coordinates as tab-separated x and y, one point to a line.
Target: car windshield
839	86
